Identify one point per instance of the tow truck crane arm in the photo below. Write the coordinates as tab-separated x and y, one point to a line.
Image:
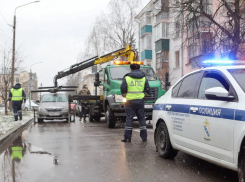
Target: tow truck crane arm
125	52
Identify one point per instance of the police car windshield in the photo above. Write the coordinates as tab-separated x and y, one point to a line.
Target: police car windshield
117	73
239	76
54	98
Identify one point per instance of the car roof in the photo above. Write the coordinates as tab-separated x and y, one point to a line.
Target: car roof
225	67
221	68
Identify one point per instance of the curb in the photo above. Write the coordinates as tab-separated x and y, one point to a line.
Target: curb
10	136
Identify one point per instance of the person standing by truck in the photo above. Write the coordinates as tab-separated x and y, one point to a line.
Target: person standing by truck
134	86
17	95
83	103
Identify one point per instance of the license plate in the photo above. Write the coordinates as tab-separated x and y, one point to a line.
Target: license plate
54	114
148	106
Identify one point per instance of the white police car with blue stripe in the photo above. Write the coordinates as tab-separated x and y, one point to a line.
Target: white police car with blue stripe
203	114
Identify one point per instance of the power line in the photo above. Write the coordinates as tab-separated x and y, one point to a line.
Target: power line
5	34
54	48
3	17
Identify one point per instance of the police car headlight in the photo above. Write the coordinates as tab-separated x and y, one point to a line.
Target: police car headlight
120	98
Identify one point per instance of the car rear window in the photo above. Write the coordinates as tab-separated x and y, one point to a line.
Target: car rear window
54	98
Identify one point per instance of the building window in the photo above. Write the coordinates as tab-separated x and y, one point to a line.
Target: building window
162	31
177	28
161	58
145	19
207	6
177	61
146	42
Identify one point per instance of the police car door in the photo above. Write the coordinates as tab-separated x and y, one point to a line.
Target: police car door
211	121
178	108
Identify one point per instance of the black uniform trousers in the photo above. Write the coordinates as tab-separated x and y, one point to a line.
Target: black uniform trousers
17	109
135	107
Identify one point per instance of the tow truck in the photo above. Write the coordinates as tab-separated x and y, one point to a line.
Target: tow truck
112	104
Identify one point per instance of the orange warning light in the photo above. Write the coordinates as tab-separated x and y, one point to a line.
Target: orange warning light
128	62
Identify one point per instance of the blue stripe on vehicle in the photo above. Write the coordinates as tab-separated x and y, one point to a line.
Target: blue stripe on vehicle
240	115
174	107
159	107
216	112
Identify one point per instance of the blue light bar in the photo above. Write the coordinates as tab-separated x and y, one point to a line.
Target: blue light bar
220	62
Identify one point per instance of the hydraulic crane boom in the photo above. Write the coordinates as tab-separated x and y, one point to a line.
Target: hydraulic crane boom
125	52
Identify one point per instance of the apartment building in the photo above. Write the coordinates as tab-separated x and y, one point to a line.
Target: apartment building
160	45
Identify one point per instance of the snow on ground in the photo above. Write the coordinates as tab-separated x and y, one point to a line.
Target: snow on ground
7	121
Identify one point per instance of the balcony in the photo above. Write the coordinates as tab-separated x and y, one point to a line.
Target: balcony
146	29
162	16
146	54
162	45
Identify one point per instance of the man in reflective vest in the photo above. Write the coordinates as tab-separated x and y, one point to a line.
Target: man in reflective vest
134	87
17	149
16	95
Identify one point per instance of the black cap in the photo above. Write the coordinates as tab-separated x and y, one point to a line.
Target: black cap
134	66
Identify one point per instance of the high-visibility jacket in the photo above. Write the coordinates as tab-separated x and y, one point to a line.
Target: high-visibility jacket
16	153
135	88
17	94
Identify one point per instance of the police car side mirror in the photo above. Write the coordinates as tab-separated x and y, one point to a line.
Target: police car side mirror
218	93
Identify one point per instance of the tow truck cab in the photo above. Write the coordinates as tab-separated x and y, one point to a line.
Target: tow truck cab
114	103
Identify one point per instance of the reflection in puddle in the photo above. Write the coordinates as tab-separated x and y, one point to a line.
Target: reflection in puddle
19	157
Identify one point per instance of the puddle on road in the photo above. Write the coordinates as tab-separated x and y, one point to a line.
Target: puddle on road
21	161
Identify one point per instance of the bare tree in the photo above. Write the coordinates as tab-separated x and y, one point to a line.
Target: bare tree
6	76
74	79
114	29
212	27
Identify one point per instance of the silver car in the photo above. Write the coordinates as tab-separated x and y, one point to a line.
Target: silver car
53	106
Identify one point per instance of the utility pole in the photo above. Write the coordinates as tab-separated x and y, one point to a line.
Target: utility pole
13	56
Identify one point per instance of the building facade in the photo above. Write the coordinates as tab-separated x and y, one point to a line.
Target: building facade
175	43
28	81
159	43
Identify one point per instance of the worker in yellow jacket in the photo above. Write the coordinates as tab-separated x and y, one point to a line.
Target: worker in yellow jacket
16	96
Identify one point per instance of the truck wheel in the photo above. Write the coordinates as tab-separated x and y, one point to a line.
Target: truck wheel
110	118
40	120
163	144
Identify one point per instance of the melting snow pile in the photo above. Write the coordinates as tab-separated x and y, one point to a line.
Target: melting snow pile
7	121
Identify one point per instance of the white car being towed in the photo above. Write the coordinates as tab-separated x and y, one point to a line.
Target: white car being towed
203	114
53	106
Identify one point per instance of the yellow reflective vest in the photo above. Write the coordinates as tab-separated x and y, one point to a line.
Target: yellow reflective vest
16	153
16	94
135	88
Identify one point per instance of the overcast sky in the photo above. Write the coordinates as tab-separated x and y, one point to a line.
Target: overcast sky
52	32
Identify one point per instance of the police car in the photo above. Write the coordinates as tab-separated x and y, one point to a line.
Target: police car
203	114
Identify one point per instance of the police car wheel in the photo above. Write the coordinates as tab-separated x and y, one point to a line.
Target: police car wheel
241	170
163	144
110	118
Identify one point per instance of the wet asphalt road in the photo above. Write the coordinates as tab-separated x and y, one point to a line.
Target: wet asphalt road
57	151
